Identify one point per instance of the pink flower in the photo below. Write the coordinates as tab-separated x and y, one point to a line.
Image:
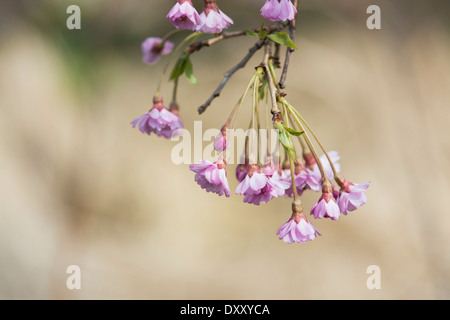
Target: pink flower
297	229
326	206
184	16
257	187
211	176
352	196
304	179
220	142
310	179
280	183
278	10
269	169
213	20
159	120
241	172
153	48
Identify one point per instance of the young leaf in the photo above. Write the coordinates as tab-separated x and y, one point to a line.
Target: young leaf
285	140
287	143
293	132
180	66
251	33
188	71
282	38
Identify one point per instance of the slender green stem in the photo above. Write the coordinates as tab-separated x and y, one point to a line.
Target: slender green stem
172	56
300	138
238	106
272	73
169	34
294	187
175	89
273	91
256	114
266	118
253	133
307	139
318	142
256	100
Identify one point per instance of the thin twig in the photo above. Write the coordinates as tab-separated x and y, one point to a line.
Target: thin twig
289	50
273	92
227	35
258	45
276	55
209	42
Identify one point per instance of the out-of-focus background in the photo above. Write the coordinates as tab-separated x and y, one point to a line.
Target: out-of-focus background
79	186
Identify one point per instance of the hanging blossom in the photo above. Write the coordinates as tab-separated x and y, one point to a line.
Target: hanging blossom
304	180
184	16
351	195
211	176
269	169
257	187
276	179
159	120
326	206
278	10
220	142
213	20
297	229
153	48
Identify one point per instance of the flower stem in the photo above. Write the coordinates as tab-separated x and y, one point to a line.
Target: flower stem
294	187
256	114
169	34
175	89
237	109
307	139
318	142
172	56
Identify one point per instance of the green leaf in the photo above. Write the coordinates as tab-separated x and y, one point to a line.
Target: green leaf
180	66
251	33
285	140
282	38
293	132
188	72
287	143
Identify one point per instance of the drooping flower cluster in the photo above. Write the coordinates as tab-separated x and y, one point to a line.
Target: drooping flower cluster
264	175
260	183
258	187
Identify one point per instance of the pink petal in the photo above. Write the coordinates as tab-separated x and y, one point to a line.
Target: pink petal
243	186
258	181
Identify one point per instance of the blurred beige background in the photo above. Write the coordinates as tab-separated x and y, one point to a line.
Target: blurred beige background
79	186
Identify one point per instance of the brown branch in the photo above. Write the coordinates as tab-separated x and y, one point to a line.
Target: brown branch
209	42
292	28
225	35
258	45
196	46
